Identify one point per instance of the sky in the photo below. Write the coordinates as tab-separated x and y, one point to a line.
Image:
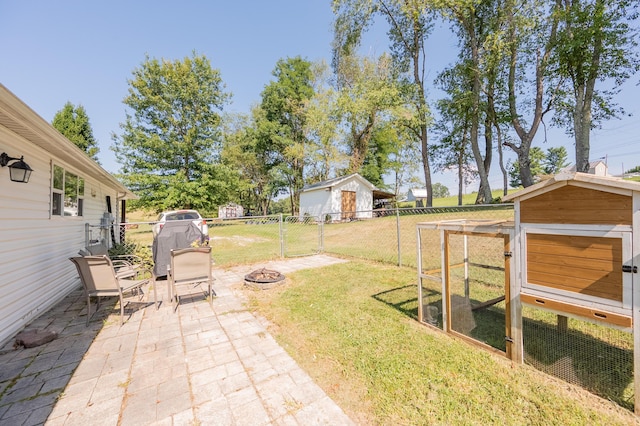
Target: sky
84	52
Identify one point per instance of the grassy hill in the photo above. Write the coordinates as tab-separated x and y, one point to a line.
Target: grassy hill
467	199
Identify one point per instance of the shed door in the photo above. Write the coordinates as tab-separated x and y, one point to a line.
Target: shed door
348	204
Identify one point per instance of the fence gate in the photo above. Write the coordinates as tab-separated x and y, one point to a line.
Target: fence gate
301	236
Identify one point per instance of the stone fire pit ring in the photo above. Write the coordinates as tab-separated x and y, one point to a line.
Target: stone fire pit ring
263	279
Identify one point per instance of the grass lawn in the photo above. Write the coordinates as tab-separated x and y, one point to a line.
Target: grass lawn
467	199
354	328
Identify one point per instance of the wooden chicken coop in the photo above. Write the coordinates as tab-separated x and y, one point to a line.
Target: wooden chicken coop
571	254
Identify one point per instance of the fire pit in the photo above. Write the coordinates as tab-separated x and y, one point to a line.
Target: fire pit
263	279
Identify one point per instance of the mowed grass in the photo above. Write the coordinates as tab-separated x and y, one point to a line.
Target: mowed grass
250	240
468	199
353	328
377	238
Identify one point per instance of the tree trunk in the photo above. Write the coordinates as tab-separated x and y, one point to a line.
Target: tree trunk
460	179
425	165
361	144
493	121
505	175
581	132
484	192
526	178
541	62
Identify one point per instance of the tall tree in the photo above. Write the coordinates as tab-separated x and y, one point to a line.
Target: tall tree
473	23
409	23
284	102
367	95
323	153
169	149
453	127
555	160
259	183
597	44
531	36
73	123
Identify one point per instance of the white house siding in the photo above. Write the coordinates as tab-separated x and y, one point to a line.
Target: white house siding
34	247
315	203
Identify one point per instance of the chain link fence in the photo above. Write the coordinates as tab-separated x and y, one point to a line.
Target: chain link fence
390	235
387	236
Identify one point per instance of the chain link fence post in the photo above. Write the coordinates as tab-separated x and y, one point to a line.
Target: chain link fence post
281	228
399	236
321	242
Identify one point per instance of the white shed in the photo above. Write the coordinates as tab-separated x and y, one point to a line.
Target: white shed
598	168
343	198
419	195
42	221
230	210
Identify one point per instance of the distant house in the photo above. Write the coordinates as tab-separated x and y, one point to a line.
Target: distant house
44	221
419	195
230	210
598	168
343	198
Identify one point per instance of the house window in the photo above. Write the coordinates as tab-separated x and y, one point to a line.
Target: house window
67	194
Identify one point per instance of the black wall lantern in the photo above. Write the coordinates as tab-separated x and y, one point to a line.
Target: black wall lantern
19	171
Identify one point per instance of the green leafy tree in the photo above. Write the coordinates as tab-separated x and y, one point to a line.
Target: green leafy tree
410	23
555	160
383	147
476	23
541	164
169	149
440	190
453	151
259	183
597	45
367	96
283	133
324	154
73	123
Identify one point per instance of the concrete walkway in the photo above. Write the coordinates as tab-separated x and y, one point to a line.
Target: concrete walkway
198	366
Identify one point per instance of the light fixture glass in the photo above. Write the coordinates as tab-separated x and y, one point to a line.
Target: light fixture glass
19	171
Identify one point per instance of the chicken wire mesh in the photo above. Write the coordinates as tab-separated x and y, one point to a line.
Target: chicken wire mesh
592	356
477	288
431	277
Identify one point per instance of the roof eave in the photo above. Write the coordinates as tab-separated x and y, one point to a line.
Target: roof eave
567	177
22	120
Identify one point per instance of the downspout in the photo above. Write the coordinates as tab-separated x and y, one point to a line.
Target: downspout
120	215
